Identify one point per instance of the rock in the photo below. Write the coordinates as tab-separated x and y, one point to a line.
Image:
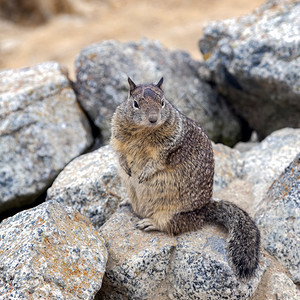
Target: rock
275	283
156	266
246	146
240	192
102	70
50	252
244	178
228	166
255	62
281	287
41	129
266	161
278	218
90	183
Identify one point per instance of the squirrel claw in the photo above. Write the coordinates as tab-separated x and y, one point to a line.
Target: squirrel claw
124	203
146	225
128	171
143	177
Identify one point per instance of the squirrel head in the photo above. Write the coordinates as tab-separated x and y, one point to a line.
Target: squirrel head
146	105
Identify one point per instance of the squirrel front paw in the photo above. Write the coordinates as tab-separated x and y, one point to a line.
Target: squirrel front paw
128	171
144	176
125	202
124	165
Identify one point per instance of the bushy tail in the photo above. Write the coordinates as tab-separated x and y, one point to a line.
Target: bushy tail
243	241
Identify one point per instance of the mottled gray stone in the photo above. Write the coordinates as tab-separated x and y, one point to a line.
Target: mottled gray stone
255	62
50	252
156	266
90	183
281	287
41	129
228	166
278	218
266	161
102	70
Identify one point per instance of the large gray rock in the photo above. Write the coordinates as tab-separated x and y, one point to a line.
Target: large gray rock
90	183
265	162
102	70
280	287
156	266
41	129
228	166
255	62
276	283
278	218
50	252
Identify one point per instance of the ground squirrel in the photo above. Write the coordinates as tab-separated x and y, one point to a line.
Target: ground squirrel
166	163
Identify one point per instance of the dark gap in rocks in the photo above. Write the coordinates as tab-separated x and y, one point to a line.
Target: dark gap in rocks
11	212
231	80
246	129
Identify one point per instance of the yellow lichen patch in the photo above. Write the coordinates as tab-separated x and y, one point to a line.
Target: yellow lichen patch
207	55
92	55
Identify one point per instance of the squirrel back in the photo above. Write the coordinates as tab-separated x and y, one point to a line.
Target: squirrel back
167	166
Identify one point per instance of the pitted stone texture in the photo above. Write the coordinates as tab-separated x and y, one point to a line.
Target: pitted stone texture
281	287
228	166
255	63
50	252
278	218
41	129
90	183
156	266
265	162
102	70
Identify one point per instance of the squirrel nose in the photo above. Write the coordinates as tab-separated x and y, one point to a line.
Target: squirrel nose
153	119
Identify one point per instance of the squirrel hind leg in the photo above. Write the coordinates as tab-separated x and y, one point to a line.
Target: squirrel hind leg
158	221
185	222
173	223
147	224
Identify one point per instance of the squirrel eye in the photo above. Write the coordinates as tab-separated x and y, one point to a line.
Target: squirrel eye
135	104
163	103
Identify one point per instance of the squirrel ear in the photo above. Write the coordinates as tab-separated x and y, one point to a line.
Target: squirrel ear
132	85
160	83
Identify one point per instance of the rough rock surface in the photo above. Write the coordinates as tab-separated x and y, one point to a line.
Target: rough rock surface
240	192
102	70
278	218
90	183
156	266
281	287
41	129
255	62
50	252
228	166
265	162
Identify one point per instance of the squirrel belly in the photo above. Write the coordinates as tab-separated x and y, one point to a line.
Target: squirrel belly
167	166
